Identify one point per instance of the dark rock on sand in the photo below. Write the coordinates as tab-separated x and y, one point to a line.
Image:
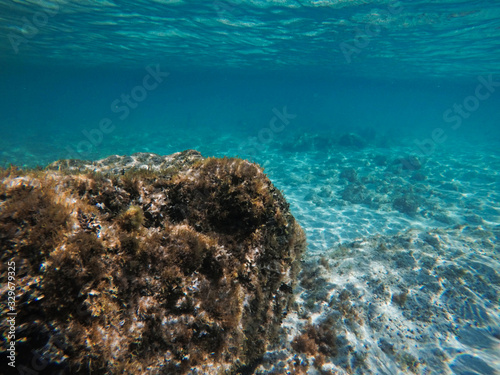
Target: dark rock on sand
409	163
356	193
407	204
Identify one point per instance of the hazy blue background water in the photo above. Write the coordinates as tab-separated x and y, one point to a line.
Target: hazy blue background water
394	67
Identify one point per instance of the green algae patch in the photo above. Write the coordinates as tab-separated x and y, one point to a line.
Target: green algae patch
148	264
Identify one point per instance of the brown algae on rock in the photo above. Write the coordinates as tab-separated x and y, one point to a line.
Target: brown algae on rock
148	264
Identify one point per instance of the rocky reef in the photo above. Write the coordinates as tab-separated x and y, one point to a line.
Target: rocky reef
146	264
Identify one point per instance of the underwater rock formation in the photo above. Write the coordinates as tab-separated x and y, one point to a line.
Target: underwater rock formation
410	163
147	264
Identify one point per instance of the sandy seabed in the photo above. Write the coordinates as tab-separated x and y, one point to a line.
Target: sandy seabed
404	263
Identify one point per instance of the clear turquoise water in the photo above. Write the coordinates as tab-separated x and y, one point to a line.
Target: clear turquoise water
388	65
280	82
